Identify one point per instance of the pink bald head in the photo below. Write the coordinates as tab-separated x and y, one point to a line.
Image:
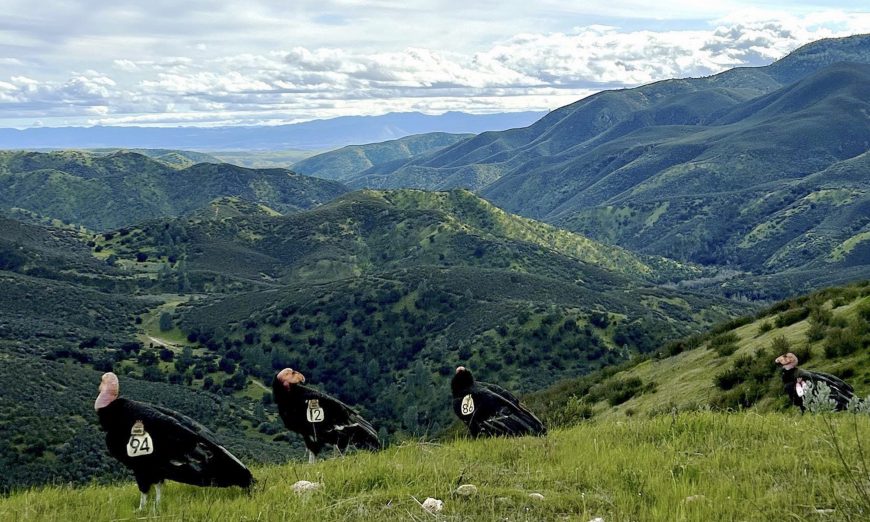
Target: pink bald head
109	390
289	377
787	361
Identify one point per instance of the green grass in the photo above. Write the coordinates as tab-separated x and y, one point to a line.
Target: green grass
693	466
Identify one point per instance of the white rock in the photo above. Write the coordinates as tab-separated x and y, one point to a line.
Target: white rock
597	519
536	496
466	490
304	486
433	505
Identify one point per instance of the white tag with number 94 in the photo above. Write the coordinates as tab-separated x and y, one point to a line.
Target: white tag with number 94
315	412
139	445
467	407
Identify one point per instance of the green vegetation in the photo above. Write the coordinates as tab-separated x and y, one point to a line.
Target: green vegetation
376	297
379	295
756	169
110	191
179	159
691	466
731	367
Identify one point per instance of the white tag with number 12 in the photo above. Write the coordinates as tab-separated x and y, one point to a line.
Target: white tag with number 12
315	412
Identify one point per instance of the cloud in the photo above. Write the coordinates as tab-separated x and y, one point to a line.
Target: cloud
197	84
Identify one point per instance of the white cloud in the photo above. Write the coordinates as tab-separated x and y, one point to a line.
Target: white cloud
196	81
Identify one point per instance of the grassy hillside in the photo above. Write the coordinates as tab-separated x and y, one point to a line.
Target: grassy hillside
692	466
110	191
350	162
730	367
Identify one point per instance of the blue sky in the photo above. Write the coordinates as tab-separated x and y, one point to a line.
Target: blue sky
161	62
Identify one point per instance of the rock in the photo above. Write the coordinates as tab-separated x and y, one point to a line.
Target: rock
466	490
536	496
304	486
433	505
597	519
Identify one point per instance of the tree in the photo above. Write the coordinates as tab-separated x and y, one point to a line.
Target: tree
165	321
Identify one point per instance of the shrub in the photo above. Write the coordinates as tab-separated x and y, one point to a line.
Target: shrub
765	327
620	391
792	316
724	344
842	341
165	321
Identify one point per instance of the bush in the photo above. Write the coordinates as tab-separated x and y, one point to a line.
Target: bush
842	341
790	317
620	391
765	327
165	321
724	344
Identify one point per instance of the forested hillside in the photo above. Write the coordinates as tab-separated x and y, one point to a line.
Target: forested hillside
110	191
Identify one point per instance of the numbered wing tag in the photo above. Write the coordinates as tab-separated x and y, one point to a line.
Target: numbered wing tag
140	442
315	412
467	407
801	387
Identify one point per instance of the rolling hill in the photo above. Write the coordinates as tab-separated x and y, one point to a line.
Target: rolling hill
119	189
758	169
348	162
689	466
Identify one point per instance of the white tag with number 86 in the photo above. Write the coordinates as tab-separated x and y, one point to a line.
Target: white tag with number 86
467	407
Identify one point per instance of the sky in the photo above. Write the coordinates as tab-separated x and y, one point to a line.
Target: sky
258	62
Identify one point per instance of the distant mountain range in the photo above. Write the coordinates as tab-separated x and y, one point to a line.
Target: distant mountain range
761	169
316	134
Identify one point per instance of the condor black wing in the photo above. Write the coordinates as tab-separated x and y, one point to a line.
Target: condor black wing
184	450
341	419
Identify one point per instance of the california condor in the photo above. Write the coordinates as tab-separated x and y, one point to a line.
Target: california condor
795	381
159	444
319	418
489	409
